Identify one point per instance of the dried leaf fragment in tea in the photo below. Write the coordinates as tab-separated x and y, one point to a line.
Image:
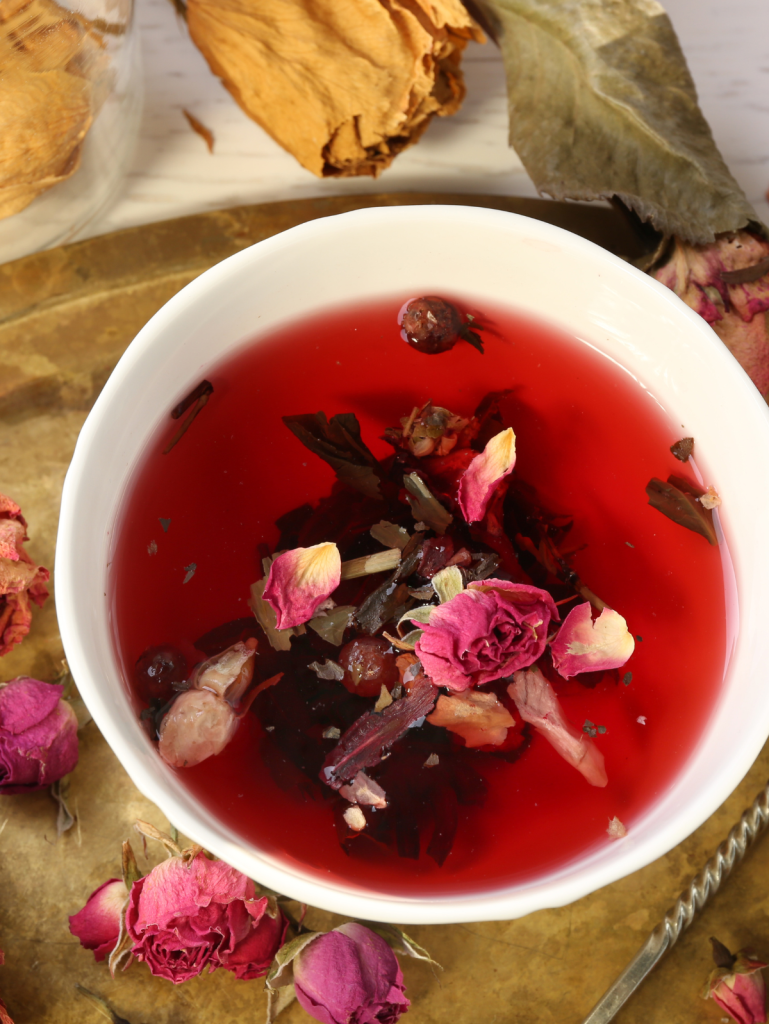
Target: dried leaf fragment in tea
338	442
678	500
479	718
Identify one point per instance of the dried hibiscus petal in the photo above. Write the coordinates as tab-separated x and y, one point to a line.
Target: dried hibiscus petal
366	741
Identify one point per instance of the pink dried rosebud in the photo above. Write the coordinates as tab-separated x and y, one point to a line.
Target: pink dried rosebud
202	720
538	705
487	470
189	914
350	976
488	631
97	925
21	581
736	984
300	580
587	645
38	735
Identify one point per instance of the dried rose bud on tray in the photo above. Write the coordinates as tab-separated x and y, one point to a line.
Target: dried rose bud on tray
419	642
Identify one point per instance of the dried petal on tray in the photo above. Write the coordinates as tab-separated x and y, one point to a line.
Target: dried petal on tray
343	85
20	579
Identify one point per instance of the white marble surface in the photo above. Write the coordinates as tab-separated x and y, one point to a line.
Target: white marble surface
726	44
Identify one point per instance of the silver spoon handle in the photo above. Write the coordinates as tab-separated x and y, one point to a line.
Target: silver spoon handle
752	823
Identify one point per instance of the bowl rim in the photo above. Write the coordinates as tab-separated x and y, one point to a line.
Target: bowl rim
560	886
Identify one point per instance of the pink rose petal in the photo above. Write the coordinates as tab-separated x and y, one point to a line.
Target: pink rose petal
587	645
97	925
300	581
538	705
480	479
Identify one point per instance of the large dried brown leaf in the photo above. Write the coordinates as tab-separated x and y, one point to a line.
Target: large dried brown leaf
602	104
343	85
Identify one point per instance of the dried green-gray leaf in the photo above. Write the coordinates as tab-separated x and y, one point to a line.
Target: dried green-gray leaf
425	507
602	104
277	1001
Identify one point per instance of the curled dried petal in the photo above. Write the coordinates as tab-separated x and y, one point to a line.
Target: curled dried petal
587	645
539	706
299	582
485	472
199	725
479	718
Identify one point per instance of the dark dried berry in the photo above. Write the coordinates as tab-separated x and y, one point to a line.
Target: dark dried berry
368	666
431	325
159	671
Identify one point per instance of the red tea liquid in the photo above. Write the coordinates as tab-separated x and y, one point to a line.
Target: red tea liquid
589	438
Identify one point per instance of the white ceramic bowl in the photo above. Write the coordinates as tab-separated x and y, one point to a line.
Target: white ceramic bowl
558	277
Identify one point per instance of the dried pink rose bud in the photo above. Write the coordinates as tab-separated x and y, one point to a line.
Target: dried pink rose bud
300	580
488	631
736	984
350	975
191	913
97	925
587	645
484	474
38	735
202	720
21	581
538	705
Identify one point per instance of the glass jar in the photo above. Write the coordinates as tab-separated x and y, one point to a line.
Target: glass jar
70	106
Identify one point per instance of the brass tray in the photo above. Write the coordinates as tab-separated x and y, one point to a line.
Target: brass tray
66	315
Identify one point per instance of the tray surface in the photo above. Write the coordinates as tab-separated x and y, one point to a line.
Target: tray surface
66	316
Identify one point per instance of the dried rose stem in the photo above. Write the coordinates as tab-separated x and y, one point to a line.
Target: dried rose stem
731	851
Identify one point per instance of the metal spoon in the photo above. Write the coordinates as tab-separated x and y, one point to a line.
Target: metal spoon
704	884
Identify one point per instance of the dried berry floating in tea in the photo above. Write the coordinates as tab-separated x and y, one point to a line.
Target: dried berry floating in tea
433	325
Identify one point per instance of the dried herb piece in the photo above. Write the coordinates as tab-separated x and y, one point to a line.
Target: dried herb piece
197	126
683	449
338	442
199	396
680	504
433	325
383	603
602	104
425	507
365	742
